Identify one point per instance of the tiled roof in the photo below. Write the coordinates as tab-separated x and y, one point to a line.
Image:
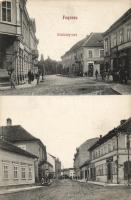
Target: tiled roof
75	46
78	44
15	133
7	146
89	142
95	40
92	40
124	127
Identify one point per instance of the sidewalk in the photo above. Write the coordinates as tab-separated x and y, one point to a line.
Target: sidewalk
26	85
103	184
20	189
122	88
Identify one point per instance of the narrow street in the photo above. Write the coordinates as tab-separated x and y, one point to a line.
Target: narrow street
70	190
59	85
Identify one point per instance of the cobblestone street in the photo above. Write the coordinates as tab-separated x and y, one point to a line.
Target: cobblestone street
59	85
69	190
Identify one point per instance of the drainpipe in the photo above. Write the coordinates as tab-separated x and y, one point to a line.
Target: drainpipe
117	159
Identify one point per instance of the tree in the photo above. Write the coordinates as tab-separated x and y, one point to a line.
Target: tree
41	66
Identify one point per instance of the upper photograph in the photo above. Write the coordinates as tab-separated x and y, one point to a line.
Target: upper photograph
68	47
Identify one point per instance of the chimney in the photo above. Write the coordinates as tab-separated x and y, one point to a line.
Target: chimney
9	122
100	136
122	121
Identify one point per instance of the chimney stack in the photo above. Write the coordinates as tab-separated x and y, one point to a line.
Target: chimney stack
100	136
9	122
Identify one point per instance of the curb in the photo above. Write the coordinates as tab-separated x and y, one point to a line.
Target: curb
10	191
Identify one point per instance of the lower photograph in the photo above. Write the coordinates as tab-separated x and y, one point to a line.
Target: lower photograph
64	148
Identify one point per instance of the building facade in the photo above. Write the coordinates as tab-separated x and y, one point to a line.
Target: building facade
111	156
81	156
19	137
18	42
68	173
51	165
57	168
117	45
85	57
17	166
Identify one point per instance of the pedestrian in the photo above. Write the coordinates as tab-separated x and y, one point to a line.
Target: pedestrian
121	74
38	77
125	75
29	76
32	76
96	73
12	79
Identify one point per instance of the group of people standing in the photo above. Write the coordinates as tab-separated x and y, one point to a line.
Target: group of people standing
120	75
32	76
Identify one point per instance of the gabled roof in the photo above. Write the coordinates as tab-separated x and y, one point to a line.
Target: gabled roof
94	40
78	44
125	127
16	133
7	146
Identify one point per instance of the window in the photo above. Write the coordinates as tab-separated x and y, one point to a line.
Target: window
106	44
90	54
16	172
101	53
114	144
6	11
30	172
5	171
114	40
109	148
23	172
114	168
128	32
121	36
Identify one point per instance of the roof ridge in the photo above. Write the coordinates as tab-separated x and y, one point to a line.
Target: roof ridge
91	34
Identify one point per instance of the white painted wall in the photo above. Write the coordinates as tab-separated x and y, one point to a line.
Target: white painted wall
12	159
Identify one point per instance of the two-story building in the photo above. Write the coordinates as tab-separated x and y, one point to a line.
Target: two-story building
18	42
85	57
117	45
17	166
110	160
21	138
81	157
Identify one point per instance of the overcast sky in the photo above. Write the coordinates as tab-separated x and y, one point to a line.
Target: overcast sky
93	16
64	123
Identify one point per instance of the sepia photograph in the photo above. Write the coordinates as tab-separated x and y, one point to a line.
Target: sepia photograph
65	99
78	149
52	47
